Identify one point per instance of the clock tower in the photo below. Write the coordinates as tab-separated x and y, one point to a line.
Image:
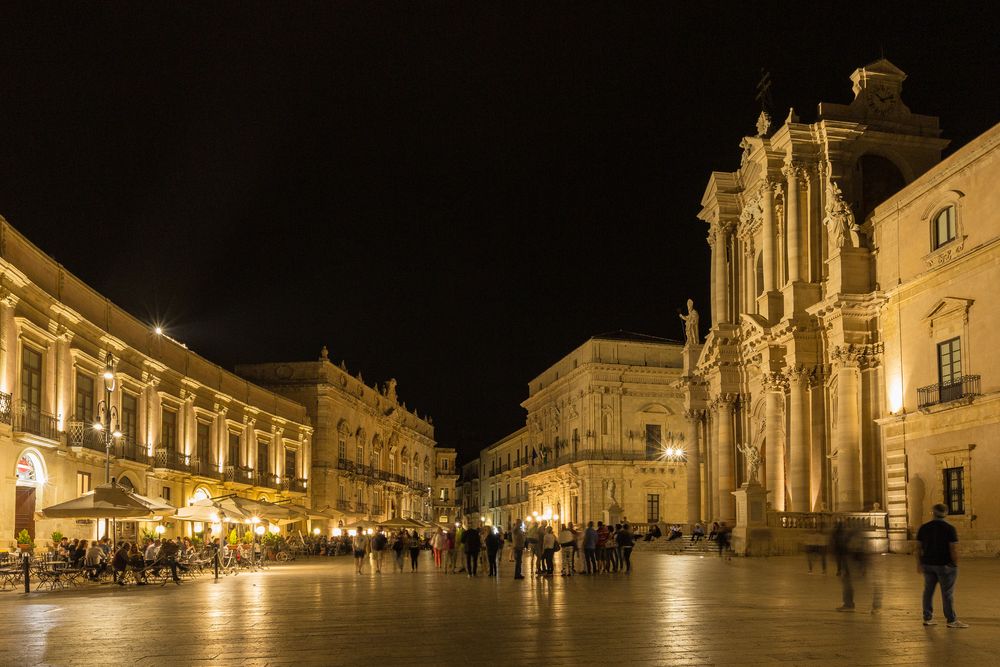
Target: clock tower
877	89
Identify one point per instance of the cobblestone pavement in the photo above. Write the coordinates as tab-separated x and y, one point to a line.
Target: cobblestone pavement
676	610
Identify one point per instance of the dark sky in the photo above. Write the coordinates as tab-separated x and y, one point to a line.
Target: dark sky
455	195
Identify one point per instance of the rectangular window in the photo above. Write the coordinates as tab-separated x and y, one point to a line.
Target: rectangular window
263	464
82	483
168	429
31	378
653	441
342	449
954	490
130	417
342	492
653	508
290	464
165	493
234	450
950	369
203	444
84	398
360	455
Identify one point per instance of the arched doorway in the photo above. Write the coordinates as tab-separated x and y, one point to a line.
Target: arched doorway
29	473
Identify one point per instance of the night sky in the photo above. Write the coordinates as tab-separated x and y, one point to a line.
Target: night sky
454	195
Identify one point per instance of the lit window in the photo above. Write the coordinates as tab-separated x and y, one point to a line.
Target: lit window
944	227
954	490
82	483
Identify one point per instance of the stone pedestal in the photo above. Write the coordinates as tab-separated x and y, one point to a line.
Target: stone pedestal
849	271
771	306
690	356
749	534
798	296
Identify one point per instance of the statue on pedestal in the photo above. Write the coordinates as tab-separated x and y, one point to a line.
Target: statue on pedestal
751	455
690	324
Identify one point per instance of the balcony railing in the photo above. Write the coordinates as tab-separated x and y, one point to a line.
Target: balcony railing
378	510
29	419
238	474
344	464
946	392
297	485
548	462
128	449
204	468
344	505
171	459
6	402
266	480
82	434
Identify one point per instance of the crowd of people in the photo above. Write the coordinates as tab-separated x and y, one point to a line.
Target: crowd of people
588	551
99	557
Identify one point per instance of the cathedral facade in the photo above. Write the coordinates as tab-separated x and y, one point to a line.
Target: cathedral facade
836	252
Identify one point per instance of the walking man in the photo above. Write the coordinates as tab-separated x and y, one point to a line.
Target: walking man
937	560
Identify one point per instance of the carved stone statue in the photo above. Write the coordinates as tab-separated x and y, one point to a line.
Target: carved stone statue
390	389
751	455
763	123
839	219
690	324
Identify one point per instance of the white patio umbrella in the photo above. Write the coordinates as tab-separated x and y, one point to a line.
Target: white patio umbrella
106	501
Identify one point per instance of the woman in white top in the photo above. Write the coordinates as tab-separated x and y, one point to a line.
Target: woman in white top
548	552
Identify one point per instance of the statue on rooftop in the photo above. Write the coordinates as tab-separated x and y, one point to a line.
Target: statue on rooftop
690	324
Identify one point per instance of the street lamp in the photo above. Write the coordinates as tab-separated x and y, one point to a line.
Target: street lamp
107	414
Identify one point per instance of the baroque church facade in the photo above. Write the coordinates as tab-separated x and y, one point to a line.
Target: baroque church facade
837	248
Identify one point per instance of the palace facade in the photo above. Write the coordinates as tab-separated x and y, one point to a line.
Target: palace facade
605	439
851	340
374	458
189	429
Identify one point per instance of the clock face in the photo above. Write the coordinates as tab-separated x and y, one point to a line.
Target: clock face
881	99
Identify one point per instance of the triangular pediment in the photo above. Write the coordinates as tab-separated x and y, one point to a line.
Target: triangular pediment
948	306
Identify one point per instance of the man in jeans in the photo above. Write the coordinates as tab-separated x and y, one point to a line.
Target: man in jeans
937	560
590	548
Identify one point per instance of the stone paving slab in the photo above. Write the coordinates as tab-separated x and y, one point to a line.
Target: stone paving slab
672	610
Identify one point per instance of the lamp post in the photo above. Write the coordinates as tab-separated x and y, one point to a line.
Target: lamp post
107	414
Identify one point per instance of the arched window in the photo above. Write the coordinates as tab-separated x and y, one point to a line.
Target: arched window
27	468
943	228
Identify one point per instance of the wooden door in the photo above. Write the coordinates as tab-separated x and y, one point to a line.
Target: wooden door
24	510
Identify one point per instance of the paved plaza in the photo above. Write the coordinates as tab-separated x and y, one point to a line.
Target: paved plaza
676	610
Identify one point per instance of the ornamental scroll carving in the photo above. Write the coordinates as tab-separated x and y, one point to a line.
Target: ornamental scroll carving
860	356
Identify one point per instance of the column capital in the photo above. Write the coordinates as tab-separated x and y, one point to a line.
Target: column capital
774	382
694	415
858	355
724	402
799	373
8	298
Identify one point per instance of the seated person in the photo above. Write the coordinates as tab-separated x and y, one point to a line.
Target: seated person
138	564
698	532
95	562
675	532
120	562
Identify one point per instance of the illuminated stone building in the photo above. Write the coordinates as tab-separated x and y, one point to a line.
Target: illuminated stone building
188	428
373	457
605	439
849	270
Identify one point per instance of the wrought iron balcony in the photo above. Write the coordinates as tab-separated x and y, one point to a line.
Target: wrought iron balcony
82	434
344	505
266	480
964	387
128	449
345	464
297	485
170	459
29	419
238	475
204	468
6	404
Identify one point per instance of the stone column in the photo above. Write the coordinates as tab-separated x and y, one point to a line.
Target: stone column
221	448
800	450
8	342
693	467
848	436
726	453
767	231
774	446
247	443
794	231
720	236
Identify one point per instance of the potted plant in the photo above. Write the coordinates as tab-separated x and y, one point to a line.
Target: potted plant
56	538
24	541
234	538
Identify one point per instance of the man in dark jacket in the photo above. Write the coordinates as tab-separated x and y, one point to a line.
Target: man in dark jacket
472	544
937	560
168	556
493	543
518	541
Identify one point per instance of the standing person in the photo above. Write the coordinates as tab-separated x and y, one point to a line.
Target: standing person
492	550
379	543
400	544
472	545
503	537
602	545
548	552
722	539
937	560
626	542
568	543
518	542
438	545
415	552
590	549
451	553
361	546
531	544
460	547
